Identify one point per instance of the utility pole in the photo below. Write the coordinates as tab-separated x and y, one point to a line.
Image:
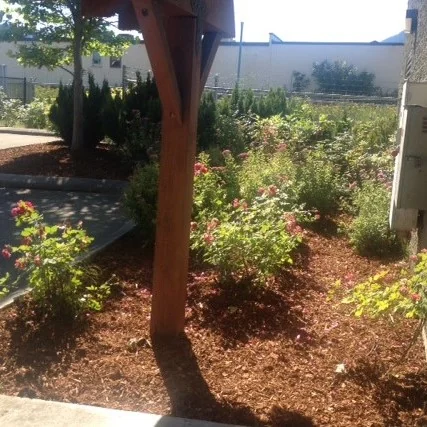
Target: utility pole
239	64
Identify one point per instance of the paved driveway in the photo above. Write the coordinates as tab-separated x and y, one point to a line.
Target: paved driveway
12	140
102	215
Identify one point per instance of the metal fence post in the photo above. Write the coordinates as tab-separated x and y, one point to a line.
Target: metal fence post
25	91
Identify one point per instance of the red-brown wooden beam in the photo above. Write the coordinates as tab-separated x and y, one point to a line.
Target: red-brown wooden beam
177	159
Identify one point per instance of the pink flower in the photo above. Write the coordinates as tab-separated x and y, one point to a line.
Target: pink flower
413	258
213	224
226	153
415	297
244	205
261	191
37	261
193	226
16	212
282	147
317	217
208	238
20	264
236	203
353	185
6	253
243	156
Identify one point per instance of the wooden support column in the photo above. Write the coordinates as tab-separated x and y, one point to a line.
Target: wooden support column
181	64
177	159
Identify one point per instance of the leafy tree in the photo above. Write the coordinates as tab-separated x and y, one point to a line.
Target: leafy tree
341	77
57	35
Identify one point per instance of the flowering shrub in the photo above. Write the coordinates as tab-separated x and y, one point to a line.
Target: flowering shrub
250	241
47	255
370	232
386	294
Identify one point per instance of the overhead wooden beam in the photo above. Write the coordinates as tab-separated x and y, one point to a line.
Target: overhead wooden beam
210	47
152	23
217	15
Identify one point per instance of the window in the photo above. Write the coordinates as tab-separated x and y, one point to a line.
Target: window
96	59
115	62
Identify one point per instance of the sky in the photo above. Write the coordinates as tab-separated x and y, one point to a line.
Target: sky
320	20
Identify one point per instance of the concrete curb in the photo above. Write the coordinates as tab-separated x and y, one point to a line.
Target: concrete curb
24	412
30	132
54	183
100	245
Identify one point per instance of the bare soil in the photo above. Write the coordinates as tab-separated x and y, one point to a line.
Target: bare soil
249	356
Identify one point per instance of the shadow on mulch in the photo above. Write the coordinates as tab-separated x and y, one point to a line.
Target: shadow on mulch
37	343
55	159
240	314
191	397
325	227
392	394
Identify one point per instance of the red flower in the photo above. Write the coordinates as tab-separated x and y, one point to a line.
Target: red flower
6	253
200	169
26	241
272	190
415	297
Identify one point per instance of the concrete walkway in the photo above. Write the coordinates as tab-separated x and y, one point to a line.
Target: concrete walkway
22	412
14	137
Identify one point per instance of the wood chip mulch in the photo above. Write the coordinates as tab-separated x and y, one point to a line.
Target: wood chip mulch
55	159
262	357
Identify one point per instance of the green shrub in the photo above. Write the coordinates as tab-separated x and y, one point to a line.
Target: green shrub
61	113
370	232
36	114
140	199
340	77
47	256
249	241
317	184
300	81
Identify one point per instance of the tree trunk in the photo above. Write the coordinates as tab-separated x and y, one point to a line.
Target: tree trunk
78	141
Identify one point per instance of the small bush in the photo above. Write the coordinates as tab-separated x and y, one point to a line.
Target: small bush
317	184
47	255
140	199
300	81
370	232
249	242
36	114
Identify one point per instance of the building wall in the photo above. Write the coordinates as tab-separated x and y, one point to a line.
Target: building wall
264	65
415	55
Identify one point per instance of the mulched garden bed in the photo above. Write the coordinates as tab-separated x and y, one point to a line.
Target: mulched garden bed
266	358
54	159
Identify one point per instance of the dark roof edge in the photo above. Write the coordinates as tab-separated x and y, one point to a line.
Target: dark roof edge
229	43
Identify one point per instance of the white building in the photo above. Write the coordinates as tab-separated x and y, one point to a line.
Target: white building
264	65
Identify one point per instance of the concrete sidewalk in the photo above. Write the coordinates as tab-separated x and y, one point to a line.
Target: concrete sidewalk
23	412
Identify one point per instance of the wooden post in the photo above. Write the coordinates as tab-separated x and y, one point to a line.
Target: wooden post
181	63
176	184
